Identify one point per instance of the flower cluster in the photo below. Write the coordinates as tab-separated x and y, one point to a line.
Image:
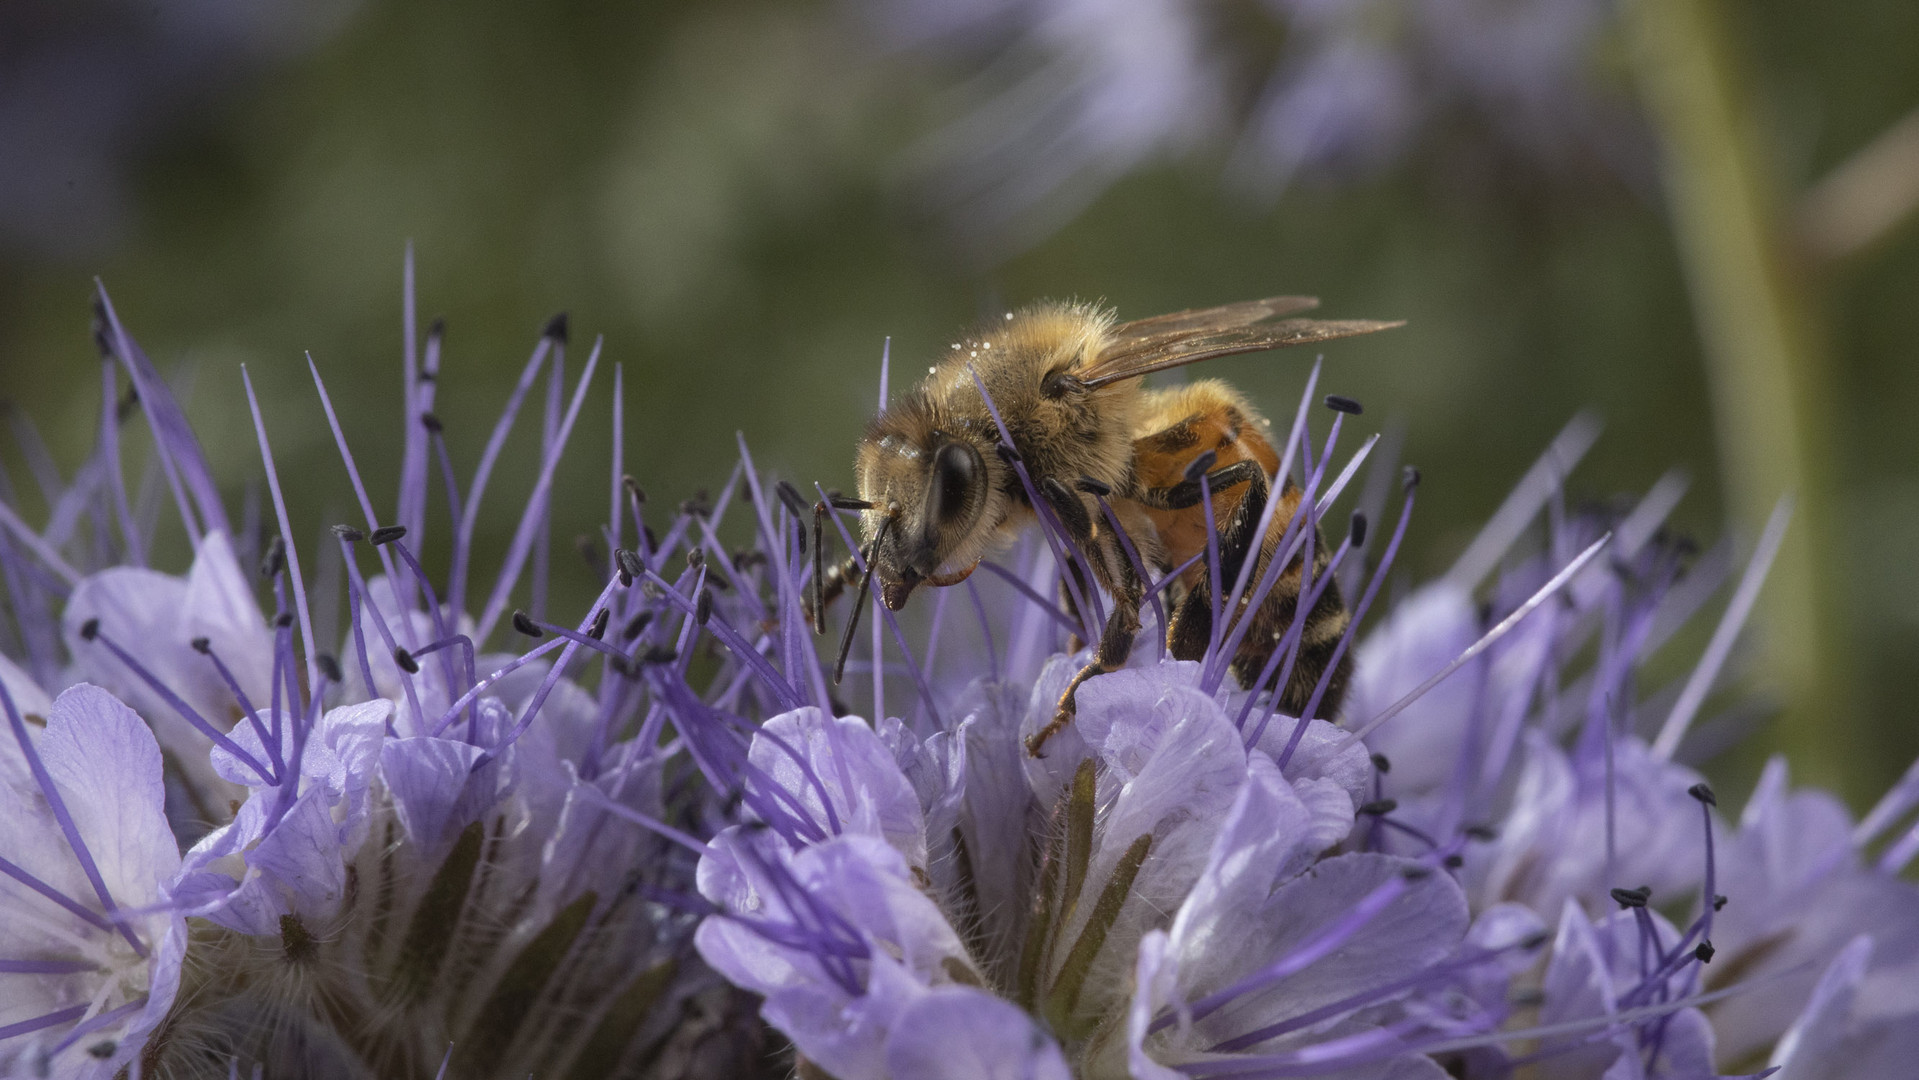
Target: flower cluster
1515	870
476	841
419	855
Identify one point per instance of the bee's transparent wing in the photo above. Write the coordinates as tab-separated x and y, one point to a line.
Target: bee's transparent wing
1130	356
1224	317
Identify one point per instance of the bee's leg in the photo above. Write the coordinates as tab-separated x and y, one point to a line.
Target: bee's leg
832	583
1190	628
1190	633
1186	494
1070	605
828	583
1116	571
1325	624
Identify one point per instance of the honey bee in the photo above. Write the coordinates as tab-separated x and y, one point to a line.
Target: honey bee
940	485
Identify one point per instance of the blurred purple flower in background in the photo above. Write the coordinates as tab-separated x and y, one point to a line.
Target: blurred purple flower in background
85	88
477	841
1057	99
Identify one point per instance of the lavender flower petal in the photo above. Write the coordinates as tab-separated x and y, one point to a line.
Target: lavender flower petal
959	1033
105	765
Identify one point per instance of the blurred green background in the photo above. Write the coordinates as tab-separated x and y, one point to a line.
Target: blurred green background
728	193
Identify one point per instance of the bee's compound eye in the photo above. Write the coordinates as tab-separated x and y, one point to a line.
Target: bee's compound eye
956	467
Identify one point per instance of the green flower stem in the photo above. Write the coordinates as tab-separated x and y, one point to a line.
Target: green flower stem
1765	361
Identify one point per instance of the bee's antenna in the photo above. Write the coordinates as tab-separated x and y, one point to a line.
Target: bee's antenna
859	605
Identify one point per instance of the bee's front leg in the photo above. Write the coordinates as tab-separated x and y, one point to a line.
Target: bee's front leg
828	583
1109	562
834	582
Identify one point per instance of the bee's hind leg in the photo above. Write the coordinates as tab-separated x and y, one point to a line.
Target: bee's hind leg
1109	562
1190	627
1074	642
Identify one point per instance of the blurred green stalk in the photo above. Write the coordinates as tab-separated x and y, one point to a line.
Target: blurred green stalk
1766	363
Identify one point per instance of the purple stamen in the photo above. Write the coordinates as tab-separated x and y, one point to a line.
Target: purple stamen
1055	533
1895	804
835	953
463	537
736	644
553	675
1352	625
1723	636
1432	975
45	1020
796	647
47	967
46	474
21	875
356	586
42	550
134	551
436	434
1365	602
613	532
359	635
986	630
186	711
1287	653
1400	826
101	1020
483	685
205	648
892	623
1027	591
438	614
1317	948
584	639
1345	476
1709	888
416	397
80	500
1276	482
1298	534
175	444
543	535
1531	493
1893	860
652	824
1485	642
359	491
1139	568
530	519
1217	630
932	639
719	755
286	529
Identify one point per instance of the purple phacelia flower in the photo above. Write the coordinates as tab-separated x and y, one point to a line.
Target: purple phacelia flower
491	841
428	847
90	952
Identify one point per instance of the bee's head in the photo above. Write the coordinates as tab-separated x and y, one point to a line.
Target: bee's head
930	486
